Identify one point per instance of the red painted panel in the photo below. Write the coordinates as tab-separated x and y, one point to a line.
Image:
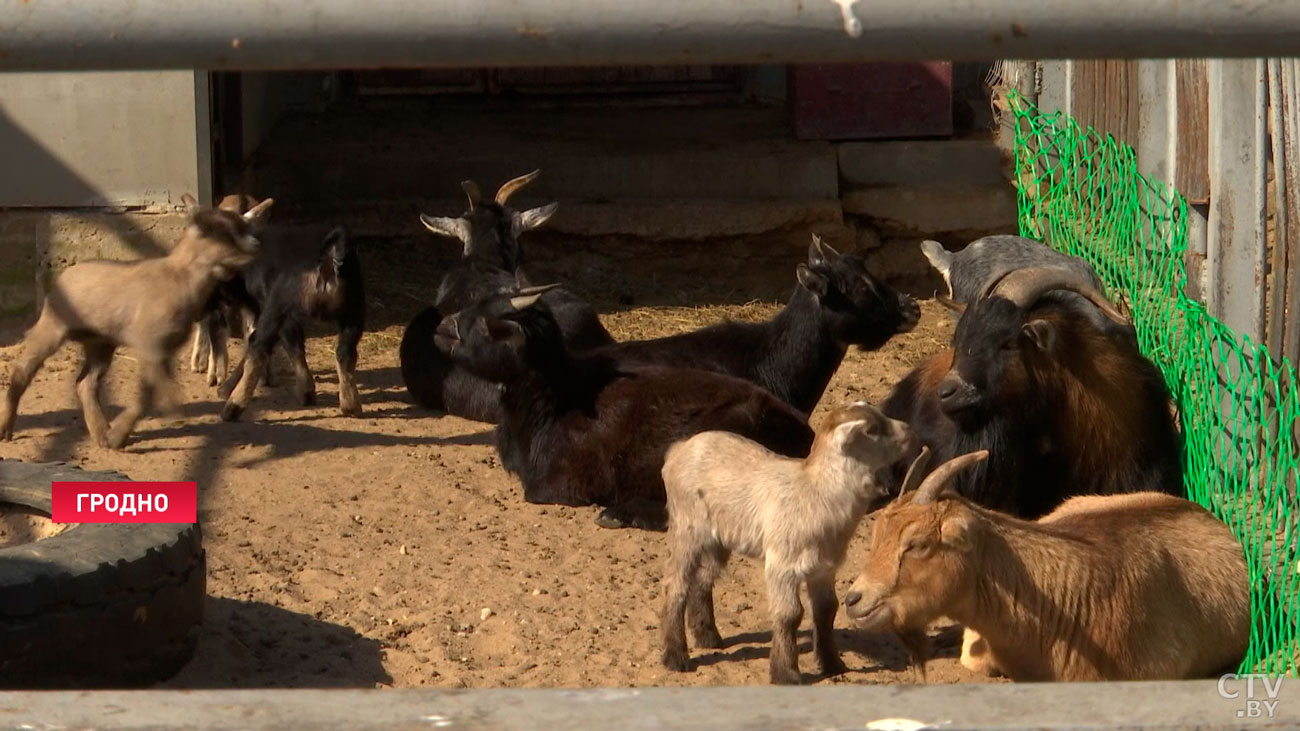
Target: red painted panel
871	100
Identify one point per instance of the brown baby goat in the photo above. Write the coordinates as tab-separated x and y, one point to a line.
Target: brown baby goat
147	305
727	493
1143	586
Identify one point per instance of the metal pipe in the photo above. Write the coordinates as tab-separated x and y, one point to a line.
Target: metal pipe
256	34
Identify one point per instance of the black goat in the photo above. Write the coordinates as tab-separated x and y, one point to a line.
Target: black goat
837	303
1064	408
299	278
490	264
580	429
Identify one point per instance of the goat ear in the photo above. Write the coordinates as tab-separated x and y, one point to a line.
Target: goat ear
955	530
530	219
191	205
1041	333
939	257
455	228
258	213
812	281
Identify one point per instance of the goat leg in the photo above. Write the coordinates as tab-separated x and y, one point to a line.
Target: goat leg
346	355
218	355
976	654
41	342
295	346
787	613
699	600
167	393
153	377
243	391
201	341
97	358
821	594
677	580
227	386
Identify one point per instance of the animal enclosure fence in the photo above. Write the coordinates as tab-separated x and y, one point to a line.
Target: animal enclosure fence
1238	406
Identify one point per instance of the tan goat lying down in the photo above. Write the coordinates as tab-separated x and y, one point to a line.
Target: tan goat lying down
1143	586
727	493
147	305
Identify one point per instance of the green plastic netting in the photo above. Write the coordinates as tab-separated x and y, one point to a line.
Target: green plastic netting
1239	407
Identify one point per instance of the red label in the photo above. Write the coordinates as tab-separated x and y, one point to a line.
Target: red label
124	502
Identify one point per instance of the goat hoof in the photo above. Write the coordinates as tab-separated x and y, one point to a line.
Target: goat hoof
611	520
677	660
709	639
832	666
308	398
231	412
116	441
353	410
786	677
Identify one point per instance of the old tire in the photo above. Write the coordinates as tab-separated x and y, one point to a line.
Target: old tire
99	605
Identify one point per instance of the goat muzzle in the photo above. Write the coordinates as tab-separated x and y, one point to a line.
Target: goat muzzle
870	613
956	395
911	313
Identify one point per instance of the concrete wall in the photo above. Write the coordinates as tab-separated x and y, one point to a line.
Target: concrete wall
99	139
79	147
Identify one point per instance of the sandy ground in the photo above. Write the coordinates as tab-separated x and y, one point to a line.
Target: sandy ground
393	550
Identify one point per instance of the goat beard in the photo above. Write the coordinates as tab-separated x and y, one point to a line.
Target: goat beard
917	643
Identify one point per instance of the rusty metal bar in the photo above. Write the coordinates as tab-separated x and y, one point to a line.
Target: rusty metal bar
322	34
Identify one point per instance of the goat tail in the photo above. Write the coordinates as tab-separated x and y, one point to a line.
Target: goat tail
335	247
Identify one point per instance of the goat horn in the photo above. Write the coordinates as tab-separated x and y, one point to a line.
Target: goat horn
914	472
510	186
944	474
826	251
1023	287
948	303
258	209
472	192
528	296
